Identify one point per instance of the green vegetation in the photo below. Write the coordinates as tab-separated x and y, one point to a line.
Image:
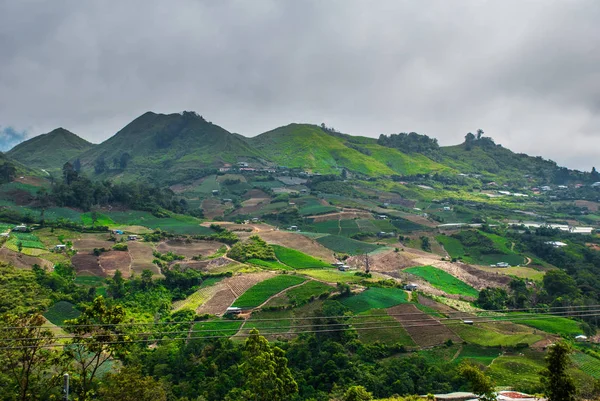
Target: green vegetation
488	335
297	259
308	292
27	240
443	281
61	311
212	328
269	264
375	298
375	327
50	151
588	364
549	324
346	245
480	248
261	292
332	276
253	248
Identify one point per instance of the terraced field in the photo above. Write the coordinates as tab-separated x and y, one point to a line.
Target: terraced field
375	298
346	245
423	329
206	291
228	290
443	281
262	291
297	259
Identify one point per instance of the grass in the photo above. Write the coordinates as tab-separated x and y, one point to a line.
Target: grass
199	296
177	224
332	276
487	335
588	364
520	372
308	291
269	264
220	327
451	245
91	281
101	220
389	330
346	245
297	259
478	354
375	298
554	325
61	311
521	272
269	326
443	281
27	240
262	291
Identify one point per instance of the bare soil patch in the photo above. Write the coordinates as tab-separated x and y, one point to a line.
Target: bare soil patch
87	264
194	248
112	261
206	265
344	215
228	291
388	261
590	205
213	207
87	242
141	257
424	329
21	261
473	276
35	181
298	242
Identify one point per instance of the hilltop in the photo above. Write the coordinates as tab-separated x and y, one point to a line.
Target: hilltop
168	147
315	148
50	151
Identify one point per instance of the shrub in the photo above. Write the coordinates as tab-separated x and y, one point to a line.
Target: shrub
120	247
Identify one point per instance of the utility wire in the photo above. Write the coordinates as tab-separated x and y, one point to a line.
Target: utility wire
241	334
571	309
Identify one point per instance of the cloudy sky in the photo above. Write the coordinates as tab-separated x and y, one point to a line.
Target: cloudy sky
525	71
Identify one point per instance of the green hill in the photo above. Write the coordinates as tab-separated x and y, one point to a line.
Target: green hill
487	158
50	151
167	148
312	148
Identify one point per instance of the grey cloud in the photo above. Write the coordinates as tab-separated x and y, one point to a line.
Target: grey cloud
9	137
524	71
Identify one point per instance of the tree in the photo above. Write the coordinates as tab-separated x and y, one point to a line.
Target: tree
8	171
479	133
20	246
130	385
595	175
33	368
558	283
124	160
558	384
480	384
265	370
116	285
77	165
357	393
100	165
425	244
69	173
469	140
97	338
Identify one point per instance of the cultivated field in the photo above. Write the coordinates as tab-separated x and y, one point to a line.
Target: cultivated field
297	259
112	261
141	257
443	281
228	290
193	248
87	264
423	329
261	292
375	298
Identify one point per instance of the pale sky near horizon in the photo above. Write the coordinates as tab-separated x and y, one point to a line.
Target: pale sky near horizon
525	71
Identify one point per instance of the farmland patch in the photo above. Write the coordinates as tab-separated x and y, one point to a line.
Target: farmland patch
424	330
443	281
375	298
346	245
261	292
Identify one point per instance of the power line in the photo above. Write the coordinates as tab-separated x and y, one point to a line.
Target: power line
132	324
239	332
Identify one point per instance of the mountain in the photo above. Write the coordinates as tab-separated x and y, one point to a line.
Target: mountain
167	148
325	151
50	151
487	158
